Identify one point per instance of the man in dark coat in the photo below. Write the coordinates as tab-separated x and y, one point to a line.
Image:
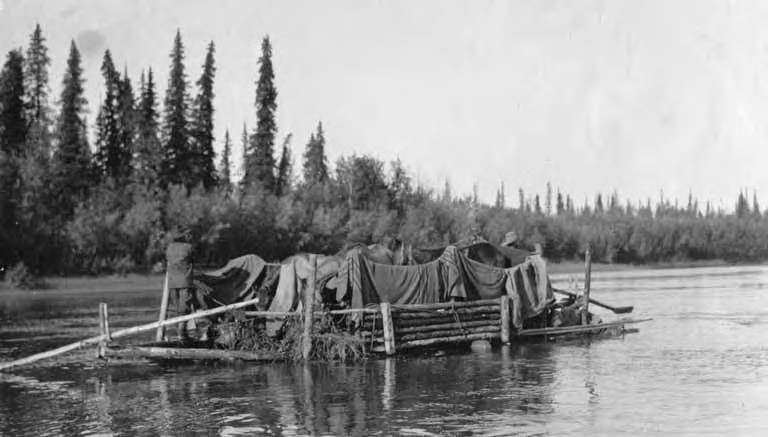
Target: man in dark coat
179	268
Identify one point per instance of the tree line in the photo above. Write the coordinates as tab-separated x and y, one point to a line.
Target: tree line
68	207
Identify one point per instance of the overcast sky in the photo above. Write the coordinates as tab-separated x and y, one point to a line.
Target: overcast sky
636	96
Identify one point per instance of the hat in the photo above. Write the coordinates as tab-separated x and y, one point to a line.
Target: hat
181	233
510	238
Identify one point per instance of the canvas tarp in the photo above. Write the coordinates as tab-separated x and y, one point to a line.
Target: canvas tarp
295	273
238	280
452	276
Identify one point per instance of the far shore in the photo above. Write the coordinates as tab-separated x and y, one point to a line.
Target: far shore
148	282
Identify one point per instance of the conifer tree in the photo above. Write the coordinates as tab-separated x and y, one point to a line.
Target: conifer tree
755	206
147	159
126	126
176	166
36	79
284	168
261	161
548	199
560	205
500	196
225	166
315	161
202	158
13	132
244	142
13	124
107	156
71	160
599	204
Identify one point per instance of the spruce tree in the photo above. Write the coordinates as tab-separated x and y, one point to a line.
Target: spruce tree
126	125
13	131
36	78
13	124
225	166
284	168
71	160
107	156
261	160
147	159
315	161
176	168
245	144
202	157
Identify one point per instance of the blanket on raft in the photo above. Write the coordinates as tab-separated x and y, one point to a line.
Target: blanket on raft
452	277
240	279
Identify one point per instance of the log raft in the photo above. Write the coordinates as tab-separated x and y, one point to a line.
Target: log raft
385	328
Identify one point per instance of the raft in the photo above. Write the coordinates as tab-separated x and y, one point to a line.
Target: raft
450	302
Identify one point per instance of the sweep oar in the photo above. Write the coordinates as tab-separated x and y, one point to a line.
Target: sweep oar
617	310
124	333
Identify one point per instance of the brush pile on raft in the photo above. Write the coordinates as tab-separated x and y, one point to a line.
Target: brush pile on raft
349	305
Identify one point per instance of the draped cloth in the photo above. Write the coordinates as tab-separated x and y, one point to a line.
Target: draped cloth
452	276
237	281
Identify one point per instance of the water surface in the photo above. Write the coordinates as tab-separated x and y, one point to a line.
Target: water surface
699	368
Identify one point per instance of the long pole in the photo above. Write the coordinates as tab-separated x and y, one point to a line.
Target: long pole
309	306
587	284
160	336
124	333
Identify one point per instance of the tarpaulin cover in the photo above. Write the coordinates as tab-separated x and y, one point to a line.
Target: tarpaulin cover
295	273
238	280
452	276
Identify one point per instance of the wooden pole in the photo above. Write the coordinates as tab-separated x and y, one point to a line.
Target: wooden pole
505	319
587	283
103	331
125	333
170	353
579	328
160	336
309	306
389	331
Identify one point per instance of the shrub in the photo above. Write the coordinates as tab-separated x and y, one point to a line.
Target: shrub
22	278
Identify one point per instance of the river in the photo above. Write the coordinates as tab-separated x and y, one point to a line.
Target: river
700	367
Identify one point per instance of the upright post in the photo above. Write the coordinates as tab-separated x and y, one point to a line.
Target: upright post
160	336
389	330
505	328
587	283
103	330
309	306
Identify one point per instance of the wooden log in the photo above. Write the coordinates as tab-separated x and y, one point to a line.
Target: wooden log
587	284
160	335
452	325
399	324
172	353
103	331
443	305
389	333
493	308
317	314
125	333
458	339
105	312
449	333
309	309
505	319
578	328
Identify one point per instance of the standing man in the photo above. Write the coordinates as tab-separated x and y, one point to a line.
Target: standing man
179	268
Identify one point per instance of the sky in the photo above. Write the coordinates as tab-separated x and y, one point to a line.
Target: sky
642	97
